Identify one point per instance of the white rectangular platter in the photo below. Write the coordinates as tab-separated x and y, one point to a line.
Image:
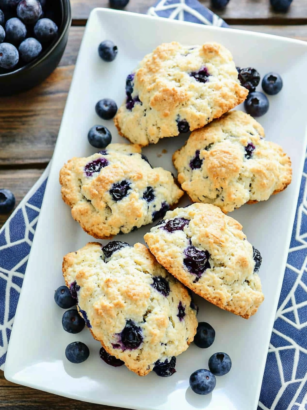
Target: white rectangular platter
36	355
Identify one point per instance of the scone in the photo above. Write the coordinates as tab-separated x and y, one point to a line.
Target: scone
116	191
177	89
139	313
208	252
229	163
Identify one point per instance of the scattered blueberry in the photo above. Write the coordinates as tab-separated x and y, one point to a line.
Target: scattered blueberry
196	261
220	364
131	336
281	5
77	352
63	298
161	213
15	30
86	319
257	258
272	83
183	126
74	289
166	368
29	11
176	224
9	56
2	18
45	30
72	322
249	149
118	4
256	104
110	360
196	162
161	285
112	247
7	199
205	335
120	190
99	136
106	109
95	166
249	78
107	50
29	49
149	194
181	311
202	382
129	84
201	76
2	34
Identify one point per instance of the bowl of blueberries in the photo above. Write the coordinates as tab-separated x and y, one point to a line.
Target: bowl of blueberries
33	37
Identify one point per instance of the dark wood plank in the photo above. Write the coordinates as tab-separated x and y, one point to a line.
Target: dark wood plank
237	11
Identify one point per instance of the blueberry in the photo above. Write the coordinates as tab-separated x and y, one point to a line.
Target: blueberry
106	109
111	248
107	50
131	336
201	76
257	258
45	30
72	322
2	34
281	5
29	49
205	335
249	149
219	4
120	190
130	102
15	30
149	194
118	4
166	368
7	199
129	84
196	261
161	285
202	382
74	289
29	11
272	83
63	298
95	166
77	352
220	364
256	104
161	213
176	224
86	319
196	162
99	136
110	360
2	18
249	78
183	126
42	2
181	311
10	5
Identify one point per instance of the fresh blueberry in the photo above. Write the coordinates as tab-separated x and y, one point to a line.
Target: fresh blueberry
202	382
107	50
95	166
181	311
220	364
257	258
183	126
111	248
74	289
219	4
110	360
131	336
281	5
29	11
2	34
2	18
272	83
9	5
149	194
86	319
45	30
196	162
42	2
7	199
99	136
129	84
166	368
256	104
72	322
249	149
77	352
205	335
130	102
161	213
176	224
161	285
106	109
196	261
29	49
249	78
15	30
120	190
118	4
201	76
63	298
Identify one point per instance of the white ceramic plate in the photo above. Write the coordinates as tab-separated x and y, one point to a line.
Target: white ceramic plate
36	353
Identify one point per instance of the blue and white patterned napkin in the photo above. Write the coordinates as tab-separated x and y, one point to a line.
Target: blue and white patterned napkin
284	384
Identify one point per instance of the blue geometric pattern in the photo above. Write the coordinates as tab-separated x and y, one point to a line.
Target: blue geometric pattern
284	384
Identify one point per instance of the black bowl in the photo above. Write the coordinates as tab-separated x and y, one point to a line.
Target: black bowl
38	70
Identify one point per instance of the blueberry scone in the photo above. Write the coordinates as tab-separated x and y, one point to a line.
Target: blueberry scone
178	89
208	252
116	190
229	163
139	313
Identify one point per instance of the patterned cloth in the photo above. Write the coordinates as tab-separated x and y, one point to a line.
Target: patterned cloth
285	380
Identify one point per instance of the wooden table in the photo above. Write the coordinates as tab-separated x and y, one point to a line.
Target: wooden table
29	125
